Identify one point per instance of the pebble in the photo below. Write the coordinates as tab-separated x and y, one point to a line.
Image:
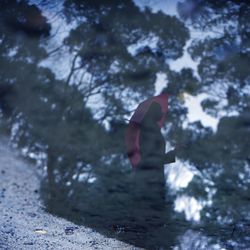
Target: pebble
28	243
32	215
40	231
70	230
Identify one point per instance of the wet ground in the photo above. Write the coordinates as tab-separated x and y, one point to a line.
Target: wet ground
23	222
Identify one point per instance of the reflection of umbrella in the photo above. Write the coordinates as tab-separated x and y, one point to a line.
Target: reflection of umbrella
133	130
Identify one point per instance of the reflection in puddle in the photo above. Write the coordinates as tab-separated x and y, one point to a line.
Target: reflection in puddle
179	174
196	240
114	206
70	83
190	206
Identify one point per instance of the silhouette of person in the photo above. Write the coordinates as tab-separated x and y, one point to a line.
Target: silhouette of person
152	143
149	188
147	213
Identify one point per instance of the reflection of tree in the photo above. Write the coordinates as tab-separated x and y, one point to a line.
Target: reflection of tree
51	115
223	157
84	161
100	45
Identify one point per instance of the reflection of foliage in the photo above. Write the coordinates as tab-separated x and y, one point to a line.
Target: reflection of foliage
224	71
49	113
52	115
101	43
224	56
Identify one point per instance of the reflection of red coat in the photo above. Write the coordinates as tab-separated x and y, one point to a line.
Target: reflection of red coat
133	131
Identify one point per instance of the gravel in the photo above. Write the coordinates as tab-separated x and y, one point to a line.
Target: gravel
23	222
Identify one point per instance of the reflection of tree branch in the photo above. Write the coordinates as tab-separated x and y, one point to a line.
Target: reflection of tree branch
214	92
50	171
73	68
3	40
81	78
55	50
93	89
91	92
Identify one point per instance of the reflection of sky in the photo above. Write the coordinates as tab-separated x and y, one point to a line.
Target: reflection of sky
59	30
196	113
178	174
192	240
167	6
190	206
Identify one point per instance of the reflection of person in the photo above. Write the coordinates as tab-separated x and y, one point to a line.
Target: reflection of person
150	181
152	143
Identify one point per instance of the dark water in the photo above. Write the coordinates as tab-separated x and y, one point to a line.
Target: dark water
71	75
118	210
